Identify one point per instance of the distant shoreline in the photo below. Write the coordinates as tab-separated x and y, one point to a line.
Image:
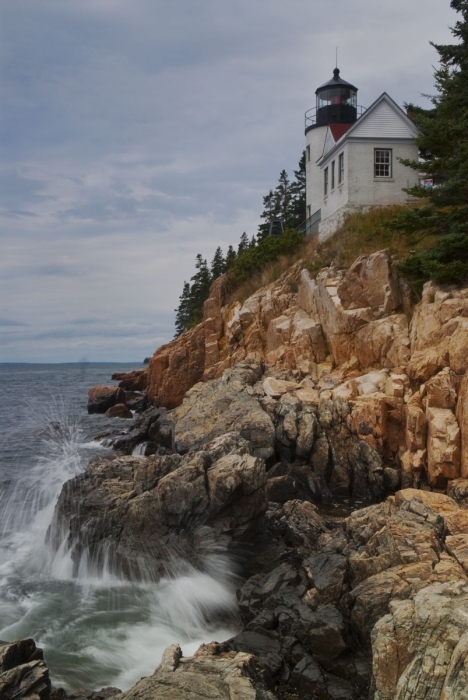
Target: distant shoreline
83	362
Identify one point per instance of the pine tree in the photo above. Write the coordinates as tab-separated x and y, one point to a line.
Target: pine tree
200	289
243	244
218	264
253	242
183	311
287	202
271	210
284	197
230	257
444	150
298	195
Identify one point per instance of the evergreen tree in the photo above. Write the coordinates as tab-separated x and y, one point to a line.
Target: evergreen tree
271	210
243	244
253	242
200	289
183	311
444	150
287	202
230	257
297	213
218	264
283	197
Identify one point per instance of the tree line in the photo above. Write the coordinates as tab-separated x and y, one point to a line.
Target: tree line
286	202
443	144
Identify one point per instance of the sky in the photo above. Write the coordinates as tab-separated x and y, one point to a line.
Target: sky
135	134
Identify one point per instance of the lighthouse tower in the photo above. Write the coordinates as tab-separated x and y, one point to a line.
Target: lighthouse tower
336	103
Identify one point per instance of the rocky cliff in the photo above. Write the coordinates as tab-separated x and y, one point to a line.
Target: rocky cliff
312	394
349	336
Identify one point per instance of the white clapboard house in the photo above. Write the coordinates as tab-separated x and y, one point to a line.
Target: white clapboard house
353	155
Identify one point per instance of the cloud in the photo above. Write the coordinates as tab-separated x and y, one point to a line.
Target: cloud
135	135
8	322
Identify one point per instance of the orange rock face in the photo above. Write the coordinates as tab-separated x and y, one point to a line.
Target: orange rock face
176	367
344	337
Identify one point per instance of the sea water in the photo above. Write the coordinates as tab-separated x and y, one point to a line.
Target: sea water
96	630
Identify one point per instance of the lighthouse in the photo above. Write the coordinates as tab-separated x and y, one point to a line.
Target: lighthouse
353	155
336	103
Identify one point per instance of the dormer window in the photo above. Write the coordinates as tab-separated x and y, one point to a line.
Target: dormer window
382	162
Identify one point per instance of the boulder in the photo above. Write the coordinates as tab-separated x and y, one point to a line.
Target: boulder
439	333
136	400
130	514
23	673
443	447
420	649
327	574
236	488
125	442
438	502
277	387
214	671
224	405
384	342
136	380
120	410
441	391
345	454
339	325
458	490
370	282
101	398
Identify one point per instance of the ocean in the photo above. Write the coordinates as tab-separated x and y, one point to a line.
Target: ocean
95	630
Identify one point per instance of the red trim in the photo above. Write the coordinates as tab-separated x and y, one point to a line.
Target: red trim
338	130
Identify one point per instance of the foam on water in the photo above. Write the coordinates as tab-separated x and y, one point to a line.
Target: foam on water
139	450
96	628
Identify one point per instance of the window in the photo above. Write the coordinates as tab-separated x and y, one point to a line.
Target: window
308	153
308	211
340	168
325	182
382	162
333	175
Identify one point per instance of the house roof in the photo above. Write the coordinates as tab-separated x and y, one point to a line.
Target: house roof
383	119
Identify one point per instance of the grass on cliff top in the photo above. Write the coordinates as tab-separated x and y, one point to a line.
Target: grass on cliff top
364	233
361	233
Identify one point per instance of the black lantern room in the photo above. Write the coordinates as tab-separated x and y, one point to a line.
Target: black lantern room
336	102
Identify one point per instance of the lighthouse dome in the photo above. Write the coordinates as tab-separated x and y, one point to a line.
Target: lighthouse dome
336	101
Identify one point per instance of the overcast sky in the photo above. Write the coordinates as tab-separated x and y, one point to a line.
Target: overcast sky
136	133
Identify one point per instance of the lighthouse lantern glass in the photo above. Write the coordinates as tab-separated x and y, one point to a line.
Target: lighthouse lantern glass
337	96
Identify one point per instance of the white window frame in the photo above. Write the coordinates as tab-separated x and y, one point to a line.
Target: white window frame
325	182
308	154
383	163
341	168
